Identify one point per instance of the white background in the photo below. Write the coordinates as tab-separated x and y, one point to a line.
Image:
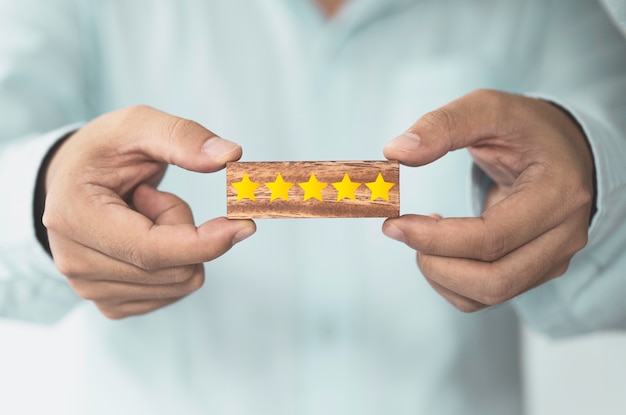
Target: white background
39	368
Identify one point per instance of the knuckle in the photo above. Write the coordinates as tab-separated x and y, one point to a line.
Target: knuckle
429	244
424	263
176	202
142	260
466	306
491	247
560	270
83	290
193	281
183	274
585	197
69	267
90	295
491	300
463	304
53	219
64	265
175	131
48	219
196	282
127	115
184	205
496	290
146	263
177	205
491	251
487	95
491	98
498	103
440	120
579	200
581	241
95	296
576	241
136	110
176	127
112	313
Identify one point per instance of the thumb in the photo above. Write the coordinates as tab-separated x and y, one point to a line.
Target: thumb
181	142
461	123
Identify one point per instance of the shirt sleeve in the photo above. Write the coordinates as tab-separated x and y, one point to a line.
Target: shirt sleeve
581	67
42	88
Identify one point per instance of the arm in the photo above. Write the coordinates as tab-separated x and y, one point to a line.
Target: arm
114	238
41	98
540	163
120	242
584	72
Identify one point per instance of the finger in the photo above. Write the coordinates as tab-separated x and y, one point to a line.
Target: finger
135	308
129	236
495	282
77	261
464	304
469	305
461	123
160	207
121	292
150	246
505	226
174	140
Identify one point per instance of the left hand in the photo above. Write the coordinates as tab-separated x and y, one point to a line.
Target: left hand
536	215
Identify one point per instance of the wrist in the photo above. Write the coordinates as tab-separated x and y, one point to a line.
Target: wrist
581	133
39	199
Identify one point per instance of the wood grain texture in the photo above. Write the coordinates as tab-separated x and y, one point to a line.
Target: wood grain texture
360	194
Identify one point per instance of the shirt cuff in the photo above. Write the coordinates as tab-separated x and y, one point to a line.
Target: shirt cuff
31	288
608	147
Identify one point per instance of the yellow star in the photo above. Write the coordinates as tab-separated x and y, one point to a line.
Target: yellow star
346	188
312	188
380	188
245	188
279	188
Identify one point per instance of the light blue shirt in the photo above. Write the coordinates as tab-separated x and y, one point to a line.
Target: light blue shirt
309	316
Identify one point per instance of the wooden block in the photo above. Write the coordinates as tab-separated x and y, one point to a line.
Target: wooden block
316	189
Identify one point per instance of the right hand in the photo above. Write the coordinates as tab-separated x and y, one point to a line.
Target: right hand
121	243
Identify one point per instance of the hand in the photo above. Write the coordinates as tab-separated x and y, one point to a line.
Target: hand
537	211
121	243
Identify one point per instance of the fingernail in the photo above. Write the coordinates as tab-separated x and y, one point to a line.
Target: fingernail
243	234
219	149
394	233
405	142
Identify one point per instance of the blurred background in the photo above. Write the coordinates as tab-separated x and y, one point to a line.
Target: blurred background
39	368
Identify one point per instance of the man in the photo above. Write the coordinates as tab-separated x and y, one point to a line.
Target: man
318	316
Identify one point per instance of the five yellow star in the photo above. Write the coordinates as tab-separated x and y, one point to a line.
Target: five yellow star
245	188
279	188
346	188
380	188
312	188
